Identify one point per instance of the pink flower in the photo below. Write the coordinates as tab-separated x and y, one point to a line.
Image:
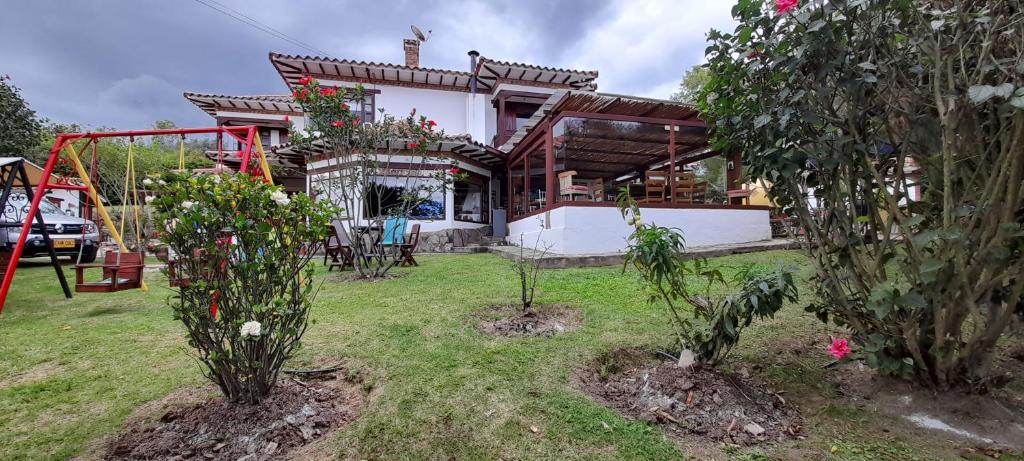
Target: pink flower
782	6
839	348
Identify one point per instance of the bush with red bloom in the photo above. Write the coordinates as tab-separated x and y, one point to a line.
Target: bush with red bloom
337	123
328	91
840	348
782	6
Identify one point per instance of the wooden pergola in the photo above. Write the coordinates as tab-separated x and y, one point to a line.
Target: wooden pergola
615	138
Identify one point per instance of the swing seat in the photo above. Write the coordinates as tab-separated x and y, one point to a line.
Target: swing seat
121	271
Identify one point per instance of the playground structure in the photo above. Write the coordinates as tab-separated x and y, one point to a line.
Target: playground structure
131	266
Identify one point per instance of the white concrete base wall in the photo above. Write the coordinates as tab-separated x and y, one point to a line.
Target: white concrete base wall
595	230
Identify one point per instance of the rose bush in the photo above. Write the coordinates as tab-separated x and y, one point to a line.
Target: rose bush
242	249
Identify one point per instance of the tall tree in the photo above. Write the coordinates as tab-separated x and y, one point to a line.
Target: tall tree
19	127
693	81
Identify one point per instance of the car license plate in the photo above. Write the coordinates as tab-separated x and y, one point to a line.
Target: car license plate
63	243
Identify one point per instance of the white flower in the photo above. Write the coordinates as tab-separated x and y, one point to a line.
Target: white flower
187	204
147	181
280	197
162	182
216	179
150	198
251	328
171	225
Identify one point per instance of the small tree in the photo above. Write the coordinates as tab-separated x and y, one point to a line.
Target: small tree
893	130
19	127
528	268
242	252
658	254
390	168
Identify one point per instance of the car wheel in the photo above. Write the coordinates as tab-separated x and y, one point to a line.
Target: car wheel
88	255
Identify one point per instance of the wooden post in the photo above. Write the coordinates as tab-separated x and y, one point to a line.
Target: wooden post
549	167
526	183
672	162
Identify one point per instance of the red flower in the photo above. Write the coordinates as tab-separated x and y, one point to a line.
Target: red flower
753	55
782	6
286	119
431	123
414	145
295	94
338	123
328	91
305	80
344	107
454	170
839	348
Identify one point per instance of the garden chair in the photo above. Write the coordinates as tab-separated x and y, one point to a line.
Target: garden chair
393	235
407	249
566	187
683	187
342	255
654	186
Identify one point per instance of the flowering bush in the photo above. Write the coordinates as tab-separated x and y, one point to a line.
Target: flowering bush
241	249
893	130
657	252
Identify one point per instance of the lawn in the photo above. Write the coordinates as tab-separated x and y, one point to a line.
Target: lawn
71	371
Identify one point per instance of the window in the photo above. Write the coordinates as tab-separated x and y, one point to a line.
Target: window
387	194
365	109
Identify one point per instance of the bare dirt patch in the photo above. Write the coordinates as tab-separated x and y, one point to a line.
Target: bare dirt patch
991	422
700	406
355	277
35	374
297	413
511	321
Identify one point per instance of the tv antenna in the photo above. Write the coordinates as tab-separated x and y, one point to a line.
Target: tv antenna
419	33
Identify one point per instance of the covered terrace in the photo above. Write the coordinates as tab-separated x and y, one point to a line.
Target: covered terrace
567	163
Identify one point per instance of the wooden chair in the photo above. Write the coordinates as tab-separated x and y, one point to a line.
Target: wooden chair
597	190
700	192
342	254
683	187
407	249
654	186
566	188
121	271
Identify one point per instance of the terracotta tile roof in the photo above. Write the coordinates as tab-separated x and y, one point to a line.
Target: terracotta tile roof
210	103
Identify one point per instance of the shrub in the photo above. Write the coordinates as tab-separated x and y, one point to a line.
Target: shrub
242	249
658	254
893	130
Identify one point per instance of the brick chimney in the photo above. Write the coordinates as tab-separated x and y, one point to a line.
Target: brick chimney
412	52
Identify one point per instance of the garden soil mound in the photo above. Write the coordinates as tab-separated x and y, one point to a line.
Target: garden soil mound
293	415
702	402
510	321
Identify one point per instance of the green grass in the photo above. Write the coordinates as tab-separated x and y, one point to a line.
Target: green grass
72	370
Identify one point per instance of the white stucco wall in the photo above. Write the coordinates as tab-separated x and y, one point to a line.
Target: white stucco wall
597	230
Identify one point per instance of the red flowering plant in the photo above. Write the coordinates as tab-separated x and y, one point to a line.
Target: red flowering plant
893	132
379	169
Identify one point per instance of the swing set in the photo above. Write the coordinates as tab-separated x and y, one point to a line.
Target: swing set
122	269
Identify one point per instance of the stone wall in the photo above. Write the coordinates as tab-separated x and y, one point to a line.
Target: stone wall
444	241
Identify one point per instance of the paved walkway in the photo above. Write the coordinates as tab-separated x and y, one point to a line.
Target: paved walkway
557	261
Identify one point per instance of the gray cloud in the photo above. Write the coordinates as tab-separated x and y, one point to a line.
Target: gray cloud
125	63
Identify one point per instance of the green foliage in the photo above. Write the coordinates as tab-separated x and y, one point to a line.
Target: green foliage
692	84
19	127
241	248
849	108
657	253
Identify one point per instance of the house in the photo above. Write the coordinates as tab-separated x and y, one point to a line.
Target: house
68	201
545	151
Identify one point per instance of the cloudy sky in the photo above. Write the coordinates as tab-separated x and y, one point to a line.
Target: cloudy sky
125	63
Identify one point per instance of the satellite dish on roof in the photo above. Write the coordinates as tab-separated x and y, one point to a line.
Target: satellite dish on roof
419	33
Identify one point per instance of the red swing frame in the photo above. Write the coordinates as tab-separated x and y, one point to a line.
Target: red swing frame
247	135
